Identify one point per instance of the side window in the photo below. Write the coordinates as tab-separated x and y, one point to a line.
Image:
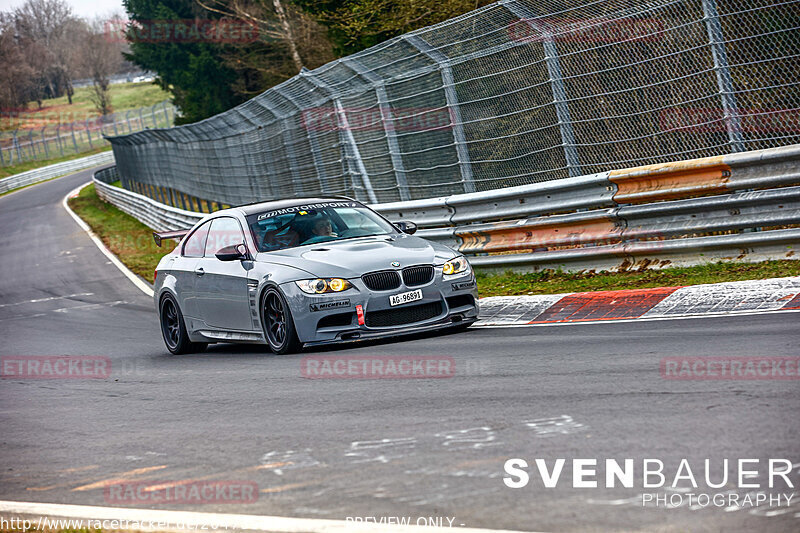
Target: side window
196	243
225	231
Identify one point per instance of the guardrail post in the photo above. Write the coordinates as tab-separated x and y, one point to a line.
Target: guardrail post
182	199
724	81
448	82
388	124
556	83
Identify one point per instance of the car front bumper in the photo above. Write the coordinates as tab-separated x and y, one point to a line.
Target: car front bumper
331	318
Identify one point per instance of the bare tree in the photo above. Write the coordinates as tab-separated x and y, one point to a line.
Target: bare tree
16	73
101	58
270	15
50	26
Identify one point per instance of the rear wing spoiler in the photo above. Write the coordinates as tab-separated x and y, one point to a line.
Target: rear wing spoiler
178	234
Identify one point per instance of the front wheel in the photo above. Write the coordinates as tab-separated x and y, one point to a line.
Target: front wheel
278	324
173	329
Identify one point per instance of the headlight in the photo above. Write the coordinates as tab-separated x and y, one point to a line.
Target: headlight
323	285
456	265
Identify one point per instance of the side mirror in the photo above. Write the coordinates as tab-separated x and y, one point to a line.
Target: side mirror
406	226
232	253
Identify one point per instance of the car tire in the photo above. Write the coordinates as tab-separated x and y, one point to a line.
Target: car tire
277	322
173	329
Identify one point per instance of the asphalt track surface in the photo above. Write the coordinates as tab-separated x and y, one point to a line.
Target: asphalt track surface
334	448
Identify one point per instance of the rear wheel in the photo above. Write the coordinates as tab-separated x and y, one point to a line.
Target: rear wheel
173	329
278	324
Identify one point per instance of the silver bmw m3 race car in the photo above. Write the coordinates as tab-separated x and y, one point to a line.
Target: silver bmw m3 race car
306	272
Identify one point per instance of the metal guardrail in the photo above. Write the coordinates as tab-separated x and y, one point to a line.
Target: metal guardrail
594	222
53	171
514	93
154	214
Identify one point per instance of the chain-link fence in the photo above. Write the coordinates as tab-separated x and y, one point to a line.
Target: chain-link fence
57	135
520	91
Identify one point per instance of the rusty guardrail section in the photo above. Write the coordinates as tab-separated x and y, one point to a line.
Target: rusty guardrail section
744	206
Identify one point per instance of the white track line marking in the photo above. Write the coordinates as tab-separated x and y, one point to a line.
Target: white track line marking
113	258
39	300
276	524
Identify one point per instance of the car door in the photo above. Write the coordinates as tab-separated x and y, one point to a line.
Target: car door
221	286
192	250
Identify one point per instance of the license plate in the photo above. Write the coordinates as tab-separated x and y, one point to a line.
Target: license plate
405	297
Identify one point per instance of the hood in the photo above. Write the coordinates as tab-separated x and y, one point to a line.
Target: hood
350	258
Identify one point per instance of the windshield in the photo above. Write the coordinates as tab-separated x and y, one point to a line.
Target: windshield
299	225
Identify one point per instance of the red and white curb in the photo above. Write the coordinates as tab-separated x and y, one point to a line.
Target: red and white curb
738	297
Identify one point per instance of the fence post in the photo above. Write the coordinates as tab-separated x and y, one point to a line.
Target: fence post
316	151
34	151
254	186
88	132
448	82
44	140
17	147
153	116
724	80
288	143
388	124
556	83
128	120
74	140
350	140
355	154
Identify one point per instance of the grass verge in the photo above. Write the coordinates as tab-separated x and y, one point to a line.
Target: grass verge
132	242
554	282
124	96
